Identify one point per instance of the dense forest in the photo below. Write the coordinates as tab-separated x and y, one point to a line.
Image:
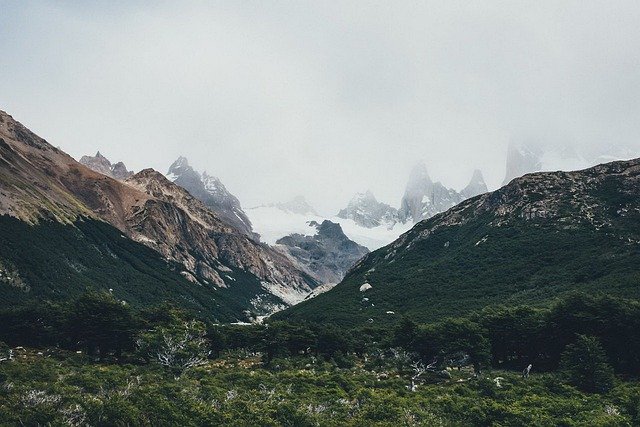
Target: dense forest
94	360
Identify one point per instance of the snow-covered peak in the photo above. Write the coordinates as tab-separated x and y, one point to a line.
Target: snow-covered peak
213	185
210	190
521	159
366	211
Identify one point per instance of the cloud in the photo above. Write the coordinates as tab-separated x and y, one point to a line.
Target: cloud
286	98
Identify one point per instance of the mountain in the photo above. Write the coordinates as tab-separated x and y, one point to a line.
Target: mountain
43	187
475	187
424	198
536	156
101	164
277	220
327	254
539	237
521	160
210	191
367	212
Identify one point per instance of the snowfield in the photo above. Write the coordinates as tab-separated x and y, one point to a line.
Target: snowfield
273	223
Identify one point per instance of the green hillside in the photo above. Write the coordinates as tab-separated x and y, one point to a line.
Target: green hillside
539	237
57	261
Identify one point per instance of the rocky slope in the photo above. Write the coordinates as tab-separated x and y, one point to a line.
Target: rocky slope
327	254
100	163
39	182
540	236
212	193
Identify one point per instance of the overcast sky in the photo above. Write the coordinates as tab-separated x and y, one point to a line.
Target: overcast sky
323	98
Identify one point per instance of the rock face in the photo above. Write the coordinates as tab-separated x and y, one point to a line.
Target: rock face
327	255
424	198
475	187
367	212
101	164
540	236
521	160
39	182
210	191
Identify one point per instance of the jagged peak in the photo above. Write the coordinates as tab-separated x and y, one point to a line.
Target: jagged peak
476	185
181	162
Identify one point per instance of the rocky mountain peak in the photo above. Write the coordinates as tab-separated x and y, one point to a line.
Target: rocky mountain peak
368	212
101	164
419	175
212	193
423	198
476	186
521	159
179	167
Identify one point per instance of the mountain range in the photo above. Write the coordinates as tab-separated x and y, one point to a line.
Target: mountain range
69	226
48	192
541	236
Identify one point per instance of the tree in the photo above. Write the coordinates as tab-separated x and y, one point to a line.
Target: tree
177	347
585	365
405	333
451	338
99	323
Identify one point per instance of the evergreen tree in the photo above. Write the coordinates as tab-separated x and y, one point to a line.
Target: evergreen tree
585	365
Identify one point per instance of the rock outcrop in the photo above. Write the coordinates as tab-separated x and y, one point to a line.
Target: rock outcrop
327	254
210	191
100	163
368	212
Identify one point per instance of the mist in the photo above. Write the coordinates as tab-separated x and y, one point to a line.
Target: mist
324	100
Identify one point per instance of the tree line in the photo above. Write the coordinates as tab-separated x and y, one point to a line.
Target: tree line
590	336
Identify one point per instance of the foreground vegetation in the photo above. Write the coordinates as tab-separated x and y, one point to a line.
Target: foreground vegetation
95	361
61	388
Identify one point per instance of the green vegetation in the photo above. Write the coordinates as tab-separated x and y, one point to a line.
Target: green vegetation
58	261
457	270
93	360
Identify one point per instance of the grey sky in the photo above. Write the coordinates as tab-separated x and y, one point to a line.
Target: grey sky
323	98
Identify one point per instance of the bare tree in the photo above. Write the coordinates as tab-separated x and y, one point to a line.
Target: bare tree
418	369
178	348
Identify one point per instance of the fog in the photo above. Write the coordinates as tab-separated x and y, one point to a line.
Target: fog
322	98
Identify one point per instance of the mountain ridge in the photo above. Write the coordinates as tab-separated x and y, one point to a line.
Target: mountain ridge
39	182
540	236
